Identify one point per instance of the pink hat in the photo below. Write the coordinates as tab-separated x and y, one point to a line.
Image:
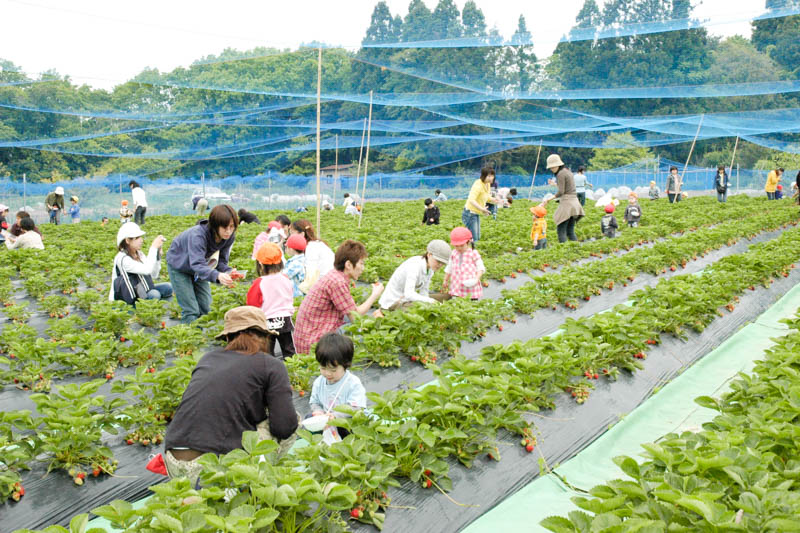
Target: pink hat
460	235
274	224
610	208
296	242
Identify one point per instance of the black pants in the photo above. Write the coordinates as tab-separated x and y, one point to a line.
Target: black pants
138	215
566	230
284	338
582	198
673	197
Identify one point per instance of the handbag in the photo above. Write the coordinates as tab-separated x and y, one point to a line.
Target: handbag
129	289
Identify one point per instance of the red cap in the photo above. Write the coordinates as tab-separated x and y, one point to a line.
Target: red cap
274	224
780	187
610	208
296	242
460	235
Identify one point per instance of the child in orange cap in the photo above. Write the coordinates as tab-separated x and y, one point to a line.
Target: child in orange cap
608	224
539	229
273	293
125	214
462	276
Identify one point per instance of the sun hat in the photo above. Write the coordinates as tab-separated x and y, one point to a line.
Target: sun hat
3	207
274	224
652	182
242	318
460	235
553	161
296	242
124	202
73	199
60	190
129	230
440	250
610	208
539	211
269	254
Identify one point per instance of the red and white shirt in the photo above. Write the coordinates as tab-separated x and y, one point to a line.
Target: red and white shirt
323	309
464	266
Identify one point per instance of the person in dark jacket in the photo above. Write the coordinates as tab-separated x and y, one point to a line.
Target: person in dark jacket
198	257
54	202
721	184
247	217
233	389
431	214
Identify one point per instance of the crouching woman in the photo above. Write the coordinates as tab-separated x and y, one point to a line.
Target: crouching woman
232	390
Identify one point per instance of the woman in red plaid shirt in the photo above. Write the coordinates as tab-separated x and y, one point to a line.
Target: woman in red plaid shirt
329	302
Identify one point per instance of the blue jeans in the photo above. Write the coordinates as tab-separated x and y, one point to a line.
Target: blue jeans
581	197
138	215
541	245
162	291
194	296
722	196
770	196
472	223
54	216
493	210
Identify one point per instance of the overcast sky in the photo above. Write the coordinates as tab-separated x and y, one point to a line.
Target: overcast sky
106	42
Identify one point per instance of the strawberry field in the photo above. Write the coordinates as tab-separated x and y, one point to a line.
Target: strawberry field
469	400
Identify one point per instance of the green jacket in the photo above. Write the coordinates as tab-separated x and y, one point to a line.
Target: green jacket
54	199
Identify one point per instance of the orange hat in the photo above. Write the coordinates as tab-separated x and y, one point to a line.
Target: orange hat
610	208
539	211
460	235
269	254
296	242
124	202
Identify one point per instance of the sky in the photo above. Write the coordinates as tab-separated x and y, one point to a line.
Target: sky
102	43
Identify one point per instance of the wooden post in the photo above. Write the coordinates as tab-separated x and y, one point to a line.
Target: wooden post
360	154
737	178
691	150
24	192
535	168
319	92
366	161
335	167
733	157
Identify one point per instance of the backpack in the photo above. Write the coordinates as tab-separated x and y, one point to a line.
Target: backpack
130	288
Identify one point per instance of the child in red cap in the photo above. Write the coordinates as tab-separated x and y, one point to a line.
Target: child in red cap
296	261
539	229
779	192
608	224
462	276
273	293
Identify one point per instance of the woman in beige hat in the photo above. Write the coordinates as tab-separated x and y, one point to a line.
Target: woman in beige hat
233	389
569	210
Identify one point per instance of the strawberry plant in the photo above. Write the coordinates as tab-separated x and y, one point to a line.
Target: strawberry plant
17	448
84	300
55	305
181	339
37	286
111	317
149	312
18	313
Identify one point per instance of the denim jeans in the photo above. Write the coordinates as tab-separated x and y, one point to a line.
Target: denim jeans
541	245
493	210
673	197
722	196
581	198
472	223
138	215
770	196
162	291
194	296
566	230
54	214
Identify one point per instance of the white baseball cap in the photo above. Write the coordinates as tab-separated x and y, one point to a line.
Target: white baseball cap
129	230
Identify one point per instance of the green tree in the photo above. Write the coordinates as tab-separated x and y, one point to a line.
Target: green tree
606	158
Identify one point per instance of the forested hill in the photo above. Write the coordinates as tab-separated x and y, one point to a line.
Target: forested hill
249	112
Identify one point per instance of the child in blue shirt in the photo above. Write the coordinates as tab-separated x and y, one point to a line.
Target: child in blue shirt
75	210
336	385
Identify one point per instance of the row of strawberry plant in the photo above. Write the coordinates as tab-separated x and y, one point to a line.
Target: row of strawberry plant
458	416
739	473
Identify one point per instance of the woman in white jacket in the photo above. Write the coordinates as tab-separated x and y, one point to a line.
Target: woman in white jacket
319	257
132	260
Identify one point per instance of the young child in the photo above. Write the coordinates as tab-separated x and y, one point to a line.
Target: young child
296	262
431	214
779	192
75	210
272	291
104	221
608	224
274	233
336	385
462	276
539	229
125	214
633	212
654	191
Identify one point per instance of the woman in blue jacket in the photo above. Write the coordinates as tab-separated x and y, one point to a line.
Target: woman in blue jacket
198	257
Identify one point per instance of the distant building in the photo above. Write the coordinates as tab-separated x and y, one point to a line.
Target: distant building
344	171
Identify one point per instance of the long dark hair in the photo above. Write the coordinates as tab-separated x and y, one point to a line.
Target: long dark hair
124	248
304	226
485	172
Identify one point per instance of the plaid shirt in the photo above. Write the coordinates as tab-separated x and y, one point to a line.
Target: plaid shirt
323	309
296	270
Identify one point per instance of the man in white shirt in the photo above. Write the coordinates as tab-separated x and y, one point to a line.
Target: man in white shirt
411	281
28	239
348	200
139	202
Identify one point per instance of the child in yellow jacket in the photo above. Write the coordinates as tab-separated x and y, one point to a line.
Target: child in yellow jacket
539	229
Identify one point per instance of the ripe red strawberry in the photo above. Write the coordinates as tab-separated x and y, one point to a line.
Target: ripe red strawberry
122	339
21	490
574	394
672	268
529	448
109	376
81	475
586	298
413	358
163	325
427	472
500	327
129	442
428	483
513	274
96	472
596	376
